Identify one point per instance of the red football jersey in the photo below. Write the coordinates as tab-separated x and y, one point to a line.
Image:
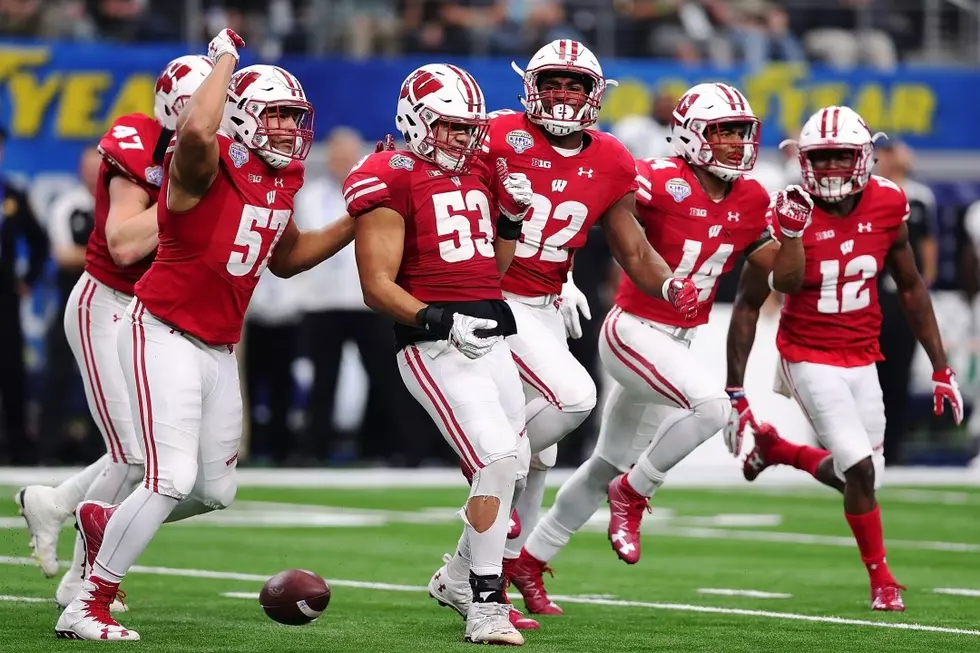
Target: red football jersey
127	149
448	254
211	256
697	237
570	194
834	318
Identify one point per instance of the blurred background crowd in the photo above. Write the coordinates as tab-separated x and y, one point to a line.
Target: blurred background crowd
321	383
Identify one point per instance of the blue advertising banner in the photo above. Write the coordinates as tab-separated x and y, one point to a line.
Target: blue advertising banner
54	99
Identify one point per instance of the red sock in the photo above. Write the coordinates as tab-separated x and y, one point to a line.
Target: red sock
871	542
796	455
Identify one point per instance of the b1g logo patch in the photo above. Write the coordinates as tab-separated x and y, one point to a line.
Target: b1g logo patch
677	188
401	161
520	140
154	175
238	154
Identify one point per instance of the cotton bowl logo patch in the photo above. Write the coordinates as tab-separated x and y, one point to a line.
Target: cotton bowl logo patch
679	189
238	154
520	140
154	175
401	161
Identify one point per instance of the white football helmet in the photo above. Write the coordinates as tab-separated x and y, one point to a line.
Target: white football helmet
573	58
175	86
448	94
699	114
833	129
268	112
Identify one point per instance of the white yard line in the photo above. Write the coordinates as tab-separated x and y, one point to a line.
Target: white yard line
673	607
26	599
752	594
957	591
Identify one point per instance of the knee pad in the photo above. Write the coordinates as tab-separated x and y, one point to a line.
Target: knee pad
545	460
578	395
177	483
497	479
220	493
714	413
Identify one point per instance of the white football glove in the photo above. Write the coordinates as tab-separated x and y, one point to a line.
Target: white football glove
226	42
571	303
517	195
463	337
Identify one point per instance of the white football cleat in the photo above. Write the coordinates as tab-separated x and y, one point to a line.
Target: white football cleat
489	623
87	616
449	593
44	519
70	587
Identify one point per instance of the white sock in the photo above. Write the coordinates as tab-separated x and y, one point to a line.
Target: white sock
487	548
681	433
645	478
72	490
577	500
459	566
115	482
528	509
188	507
129	531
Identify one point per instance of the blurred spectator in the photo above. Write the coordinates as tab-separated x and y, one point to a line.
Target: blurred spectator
367	26
19	231
422	28
132	20
65	422
897	341
503	26
758	29
850	33
336	315
270	338
646	136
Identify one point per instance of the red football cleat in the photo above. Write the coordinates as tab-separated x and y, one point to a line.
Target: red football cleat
515	525
520	622
757	460
626	508
526	573
91	518
888	598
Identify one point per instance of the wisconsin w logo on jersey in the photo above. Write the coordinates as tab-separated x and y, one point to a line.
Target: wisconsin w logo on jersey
558	185
847	247
714	230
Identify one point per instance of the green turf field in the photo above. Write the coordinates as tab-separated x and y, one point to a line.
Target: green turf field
782	541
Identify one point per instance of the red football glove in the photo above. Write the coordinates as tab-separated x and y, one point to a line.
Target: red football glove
514	193
387	144
682	295
740	420
944	386
793	208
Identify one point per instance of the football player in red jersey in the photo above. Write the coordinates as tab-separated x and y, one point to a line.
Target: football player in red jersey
226	218
829	328
581	177
117	255
699	210
430	257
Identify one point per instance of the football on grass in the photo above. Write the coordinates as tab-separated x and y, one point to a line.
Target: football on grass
294	597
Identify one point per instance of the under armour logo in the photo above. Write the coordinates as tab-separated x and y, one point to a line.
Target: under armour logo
442	588
864	227
280	182
115	317
733	216
619	541
582	172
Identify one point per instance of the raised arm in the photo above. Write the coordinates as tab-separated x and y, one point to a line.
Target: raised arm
195	161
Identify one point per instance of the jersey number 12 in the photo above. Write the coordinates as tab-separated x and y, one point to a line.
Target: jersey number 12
853	295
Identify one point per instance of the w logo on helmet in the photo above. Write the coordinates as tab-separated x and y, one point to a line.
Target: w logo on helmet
241	81
684	105
171	76
420	84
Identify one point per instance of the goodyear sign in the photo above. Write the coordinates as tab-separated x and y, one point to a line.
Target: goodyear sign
55	99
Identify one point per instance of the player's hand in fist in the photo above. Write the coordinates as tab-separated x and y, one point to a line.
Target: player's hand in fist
386	144
739	421
945	388
464	337
682	295
514	194
226	42
794	209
